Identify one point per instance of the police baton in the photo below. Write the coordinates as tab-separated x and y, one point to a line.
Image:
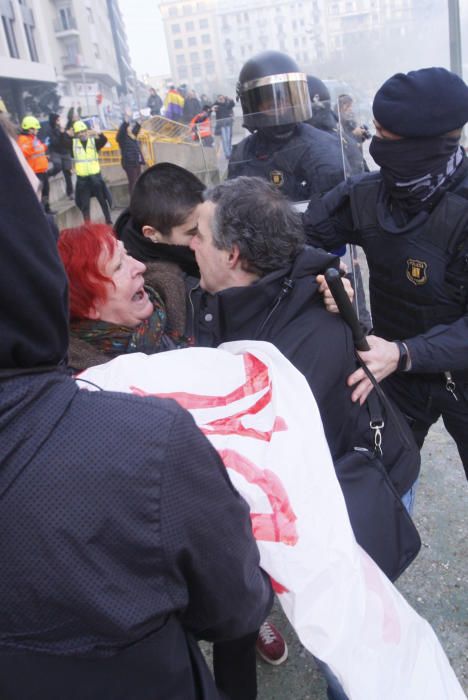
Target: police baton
346	308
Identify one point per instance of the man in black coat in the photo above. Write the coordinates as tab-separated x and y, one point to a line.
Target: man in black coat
411	219
258	281
123	540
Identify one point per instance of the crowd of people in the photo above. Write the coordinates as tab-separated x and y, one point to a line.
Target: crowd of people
124	540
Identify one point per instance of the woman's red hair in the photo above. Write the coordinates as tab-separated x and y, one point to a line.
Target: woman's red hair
80	249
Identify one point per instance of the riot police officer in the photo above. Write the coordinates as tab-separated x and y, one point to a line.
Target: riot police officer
411	219
294	156
323	117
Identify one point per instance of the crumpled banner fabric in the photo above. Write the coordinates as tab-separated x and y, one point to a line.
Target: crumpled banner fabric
259	413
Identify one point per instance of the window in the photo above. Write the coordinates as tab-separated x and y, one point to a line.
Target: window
8	21
173	11
189	26
66	19
192	41
180	58
29	31
206	39
204	24
178	43
208	54
187	9
194	57
196	71
175	28
72	49
183	72
210	67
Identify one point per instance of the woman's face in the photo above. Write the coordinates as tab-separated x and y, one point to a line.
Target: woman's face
127	302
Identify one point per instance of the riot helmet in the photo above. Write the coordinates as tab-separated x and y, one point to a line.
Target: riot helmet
273	92
318	91
322	115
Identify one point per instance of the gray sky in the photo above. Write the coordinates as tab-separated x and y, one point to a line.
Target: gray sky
145	36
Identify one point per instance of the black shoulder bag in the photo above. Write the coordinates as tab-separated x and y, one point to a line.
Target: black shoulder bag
380	522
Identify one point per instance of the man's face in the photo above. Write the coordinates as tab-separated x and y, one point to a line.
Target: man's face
213	263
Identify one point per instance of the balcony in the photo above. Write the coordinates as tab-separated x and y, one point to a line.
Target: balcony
70	62
65	27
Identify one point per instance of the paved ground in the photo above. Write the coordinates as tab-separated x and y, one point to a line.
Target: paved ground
435	584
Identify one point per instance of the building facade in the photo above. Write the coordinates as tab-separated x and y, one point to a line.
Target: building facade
193	45
26	59
209	41
78	46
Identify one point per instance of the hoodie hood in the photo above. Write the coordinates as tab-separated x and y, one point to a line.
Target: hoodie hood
33	284
53	119
145	250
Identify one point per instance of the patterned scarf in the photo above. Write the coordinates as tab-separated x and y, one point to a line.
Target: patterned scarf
149	337
414	170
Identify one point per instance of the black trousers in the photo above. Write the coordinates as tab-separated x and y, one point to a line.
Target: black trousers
133	172
63	162
44	179
424	398
87	188
235	668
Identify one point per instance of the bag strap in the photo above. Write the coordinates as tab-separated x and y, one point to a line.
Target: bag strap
374	407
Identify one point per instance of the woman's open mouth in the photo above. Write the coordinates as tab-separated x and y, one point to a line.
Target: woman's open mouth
140	295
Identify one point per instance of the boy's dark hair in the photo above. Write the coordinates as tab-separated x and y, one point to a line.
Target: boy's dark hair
164	196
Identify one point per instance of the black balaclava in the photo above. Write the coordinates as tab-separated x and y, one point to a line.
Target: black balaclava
33	284
414	169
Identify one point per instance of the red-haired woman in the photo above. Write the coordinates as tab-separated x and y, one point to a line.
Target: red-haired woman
112	311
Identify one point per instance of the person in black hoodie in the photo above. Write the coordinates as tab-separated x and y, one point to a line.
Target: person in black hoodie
132	157
58	143
109	572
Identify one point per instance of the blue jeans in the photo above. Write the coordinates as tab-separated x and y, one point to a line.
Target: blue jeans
334	689
226	137
408	498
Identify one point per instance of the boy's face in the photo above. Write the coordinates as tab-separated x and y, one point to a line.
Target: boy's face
183	234
179	235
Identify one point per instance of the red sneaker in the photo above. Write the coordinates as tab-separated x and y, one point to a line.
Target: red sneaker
271	645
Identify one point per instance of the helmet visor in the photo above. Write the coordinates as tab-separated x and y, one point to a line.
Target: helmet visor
275	100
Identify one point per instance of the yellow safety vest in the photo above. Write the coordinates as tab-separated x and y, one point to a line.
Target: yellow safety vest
86	159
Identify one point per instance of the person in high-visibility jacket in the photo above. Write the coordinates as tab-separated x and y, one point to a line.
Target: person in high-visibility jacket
201	126
35	153
86	145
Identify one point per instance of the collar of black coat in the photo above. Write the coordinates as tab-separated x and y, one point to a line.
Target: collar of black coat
251	312
33	284
145	250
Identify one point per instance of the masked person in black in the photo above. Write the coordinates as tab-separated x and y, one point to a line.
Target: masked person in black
123	541
295	157
411	219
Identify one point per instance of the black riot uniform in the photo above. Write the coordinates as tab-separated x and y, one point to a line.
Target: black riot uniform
418	285
293	156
